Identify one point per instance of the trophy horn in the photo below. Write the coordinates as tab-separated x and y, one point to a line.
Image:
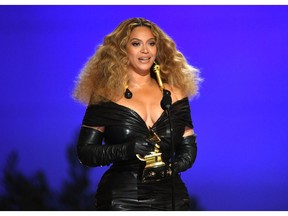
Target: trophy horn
156	69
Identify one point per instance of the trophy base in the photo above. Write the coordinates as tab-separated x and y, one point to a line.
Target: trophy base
152	174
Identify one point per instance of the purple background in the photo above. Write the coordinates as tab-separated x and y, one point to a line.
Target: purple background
240	116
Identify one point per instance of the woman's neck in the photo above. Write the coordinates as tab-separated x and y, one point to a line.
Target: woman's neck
138	81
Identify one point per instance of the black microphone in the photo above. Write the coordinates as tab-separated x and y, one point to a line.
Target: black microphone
166	100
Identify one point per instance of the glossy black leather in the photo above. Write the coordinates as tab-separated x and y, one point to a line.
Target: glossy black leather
186	154
92	153
121	187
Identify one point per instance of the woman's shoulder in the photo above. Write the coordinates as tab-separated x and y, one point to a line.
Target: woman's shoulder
176	93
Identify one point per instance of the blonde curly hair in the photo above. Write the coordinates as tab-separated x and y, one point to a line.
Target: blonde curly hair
104	76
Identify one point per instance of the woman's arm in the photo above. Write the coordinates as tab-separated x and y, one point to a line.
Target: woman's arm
92	153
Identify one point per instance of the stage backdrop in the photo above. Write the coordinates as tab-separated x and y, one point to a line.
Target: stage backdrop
240	116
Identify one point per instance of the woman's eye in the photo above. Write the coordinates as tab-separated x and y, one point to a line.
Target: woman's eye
135	44
152	43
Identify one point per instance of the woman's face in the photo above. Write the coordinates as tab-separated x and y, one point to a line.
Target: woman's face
141	49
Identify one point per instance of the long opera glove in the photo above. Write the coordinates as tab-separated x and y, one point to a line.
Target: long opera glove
185	154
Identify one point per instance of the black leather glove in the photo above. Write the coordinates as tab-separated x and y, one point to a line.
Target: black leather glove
91	152
139	146
185	154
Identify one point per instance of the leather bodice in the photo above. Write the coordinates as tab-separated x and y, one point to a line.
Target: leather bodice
123	124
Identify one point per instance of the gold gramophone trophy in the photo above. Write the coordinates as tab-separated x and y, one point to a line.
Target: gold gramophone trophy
155	169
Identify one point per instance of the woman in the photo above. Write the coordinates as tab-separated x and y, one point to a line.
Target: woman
123	96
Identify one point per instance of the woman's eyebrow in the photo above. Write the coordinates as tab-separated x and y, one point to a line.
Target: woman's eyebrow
141	40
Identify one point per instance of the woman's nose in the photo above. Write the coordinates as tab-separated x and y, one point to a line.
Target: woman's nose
144	49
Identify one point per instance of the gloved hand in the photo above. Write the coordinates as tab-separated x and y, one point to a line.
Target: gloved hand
140	146
91	152
185	154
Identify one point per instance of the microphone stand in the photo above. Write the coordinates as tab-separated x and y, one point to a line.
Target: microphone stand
165	104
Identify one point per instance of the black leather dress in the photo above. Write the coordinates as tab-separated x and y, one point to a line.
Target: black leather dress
121	187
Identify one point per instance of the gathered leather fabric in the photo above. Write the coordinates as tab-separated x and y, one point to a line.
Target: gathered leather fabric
121	186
